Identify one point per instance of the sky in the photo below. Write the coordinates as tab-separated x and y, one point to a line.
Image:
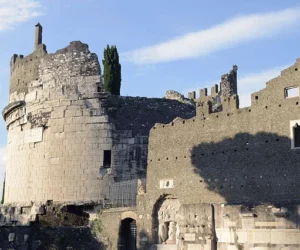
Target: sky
163	45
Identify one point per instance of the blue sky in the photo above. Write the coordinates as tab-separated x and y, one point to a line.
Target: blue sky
179	45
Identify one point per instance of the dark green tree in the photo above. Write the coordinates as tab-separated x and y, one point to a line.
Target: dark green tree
3	191
112	70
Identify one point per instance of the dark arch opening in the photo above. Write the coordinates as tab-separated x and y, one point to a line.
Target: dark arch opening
127	235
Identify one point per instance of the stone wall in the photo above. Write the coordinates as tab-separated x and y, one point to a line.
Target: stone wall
133	117
237	157
235	153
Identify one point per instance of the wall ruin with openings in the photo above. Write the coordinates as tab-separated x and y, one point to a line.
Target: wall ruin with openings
243	163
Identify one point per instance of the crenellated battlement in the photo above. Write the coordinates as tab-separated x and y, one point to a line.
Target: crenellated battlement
219	98
281	93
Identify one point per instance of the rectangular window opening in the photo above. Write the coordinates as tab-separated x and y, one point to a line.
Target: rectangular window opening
296	131
107	158
291	92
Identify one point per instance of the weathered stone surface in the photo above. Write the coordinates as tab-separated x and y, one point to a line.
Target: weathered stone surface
11	237
234	159
174	95
226	178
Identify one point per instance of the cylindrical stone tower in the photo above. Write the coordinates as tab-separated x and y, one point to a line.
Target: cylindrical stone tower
59	138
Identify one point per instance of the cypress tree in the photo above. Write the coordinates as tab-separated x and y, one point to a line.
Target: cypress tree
3	191
112	70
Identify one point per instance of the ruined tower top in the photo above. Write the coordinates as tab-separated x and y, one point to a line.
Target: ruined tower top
38	35
228	83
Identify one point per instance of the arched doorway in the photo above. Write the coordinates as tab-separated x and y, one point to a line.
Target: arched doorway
127	234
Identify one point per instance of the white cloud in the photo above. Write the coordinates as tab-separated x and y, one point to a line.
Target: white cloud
17	11
224	35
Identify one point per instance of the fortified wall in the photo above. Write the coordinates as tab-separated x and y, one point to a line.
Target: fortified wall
69	141
227	178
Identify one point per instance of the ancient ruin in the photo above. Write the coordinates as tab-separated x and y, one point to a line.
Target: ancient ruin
168	173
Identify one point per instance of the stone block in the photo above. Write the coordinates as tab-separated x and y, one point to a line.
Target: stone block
33	135
73	113
166	247
232	247
285	236
32	96
224	235
228	223
11	237
54	161
195	247
260	248
248	223
259	236
189	237
97	119
269	224
58	114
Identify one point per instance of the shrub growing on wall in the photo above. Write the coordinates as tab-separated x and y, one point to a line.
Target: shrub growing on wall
112	70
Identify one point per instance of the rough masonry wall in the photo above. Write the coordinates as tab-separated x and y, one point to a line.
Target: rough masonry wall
238	156
24	70
231	156
54	140
133	117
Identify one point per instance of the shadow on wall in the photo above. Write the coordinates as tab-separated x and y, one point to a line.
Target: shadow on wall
140	114
250	169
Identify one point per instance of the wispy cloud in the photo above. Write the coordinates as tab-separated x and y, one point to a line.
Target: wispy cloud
227	34
247	83
17	11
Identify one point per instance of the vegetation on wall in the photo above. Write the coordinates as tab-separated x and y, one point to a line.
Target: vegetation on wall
112	70
98	230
